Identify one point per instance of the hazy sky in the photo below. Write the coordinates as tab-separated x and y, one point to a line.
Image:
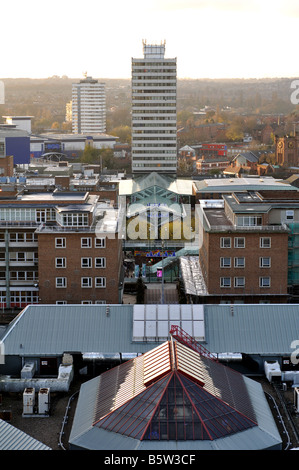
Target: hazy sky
210	38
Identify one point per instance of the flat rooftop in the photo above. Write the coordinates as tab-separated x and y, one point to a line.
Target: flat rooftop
242	184
217	217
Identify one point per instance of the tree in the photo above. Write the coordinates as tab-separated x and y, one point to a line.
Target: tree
123	132
103	156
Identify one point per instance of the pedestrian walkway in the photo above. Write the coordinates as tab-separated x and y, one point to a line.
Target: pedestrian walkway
153	294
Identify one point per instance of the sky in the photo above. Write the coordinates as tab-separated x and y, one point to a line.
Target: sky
209	38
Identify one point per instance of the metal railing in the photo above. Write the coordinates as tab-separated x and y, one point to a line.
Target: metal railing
253	228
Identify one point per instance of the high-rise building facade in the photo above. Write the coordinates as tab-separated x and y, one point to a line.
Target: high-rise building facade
154	121
88	107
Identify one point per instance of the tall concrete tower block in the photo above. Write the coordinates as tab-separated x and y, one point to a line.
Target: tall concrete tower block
154	112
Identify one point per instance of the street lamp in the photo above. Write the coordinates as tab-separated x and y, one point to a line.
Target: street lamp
163	253
162	296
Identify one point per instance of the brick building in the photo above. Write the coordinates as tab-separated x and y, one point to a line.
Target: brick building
78	267
34	262
208	164
244	255
6	165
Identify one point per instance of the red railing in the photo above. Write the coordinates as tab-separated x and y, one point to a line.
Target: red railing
179	334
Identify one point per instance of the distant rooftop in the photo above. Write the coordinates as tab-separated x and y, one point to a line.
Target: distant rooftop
238	184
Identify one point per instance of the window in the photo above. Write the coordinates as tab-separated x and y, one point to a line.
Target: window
225	262
249	221
265	262
61	282
23	275
225	282
100	262
99	302
290	215
85	242
86	262
75	219
265	242
61	302
86	302
265	282
86	282
40	216
60	262
239	262
239	282
100	242
100	282
60	242
225	242
239	242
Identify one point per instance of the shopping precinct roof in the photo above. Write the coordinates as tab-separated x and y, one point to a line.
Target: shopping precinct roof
172	398
140	183
109	329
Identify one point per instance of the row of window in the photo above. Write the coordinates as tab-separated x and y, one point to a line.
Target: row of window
239	262
85	262
86	242
20	275
86	282
30	215
74	219
240	282
19	299
83	302
20	257
20	237
239	242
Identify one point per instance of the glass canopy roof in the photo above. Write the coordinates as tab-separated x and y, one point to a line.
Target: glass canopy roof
173	393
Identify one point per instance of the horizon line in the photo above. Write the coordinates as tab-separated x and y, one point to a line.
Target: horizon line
66	77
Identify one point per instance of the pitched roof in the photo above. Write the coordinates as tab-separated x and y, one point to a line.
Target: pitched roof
12	438
249	156
171	393
140	183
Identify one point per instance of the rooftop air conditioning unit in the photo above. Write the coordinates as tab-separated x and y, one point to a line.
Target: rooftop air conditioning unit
28	370
44	401
272	371
28	401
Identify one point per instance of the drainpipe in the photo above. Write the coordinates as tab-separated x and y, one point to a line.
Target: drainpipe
7	268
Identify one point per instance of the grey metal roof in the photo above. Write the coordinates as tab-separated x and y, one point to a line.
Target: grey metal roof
12	438
53	330
241	184
267	329
252	328
249	156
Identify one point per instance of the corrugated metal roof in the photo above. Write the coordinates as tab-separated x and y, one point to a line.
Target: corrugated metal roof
251	328
52	329
55	329
12	438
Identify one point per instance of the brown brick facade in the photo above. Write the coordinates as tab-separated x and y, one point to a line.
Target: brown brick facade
50	257
244	264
